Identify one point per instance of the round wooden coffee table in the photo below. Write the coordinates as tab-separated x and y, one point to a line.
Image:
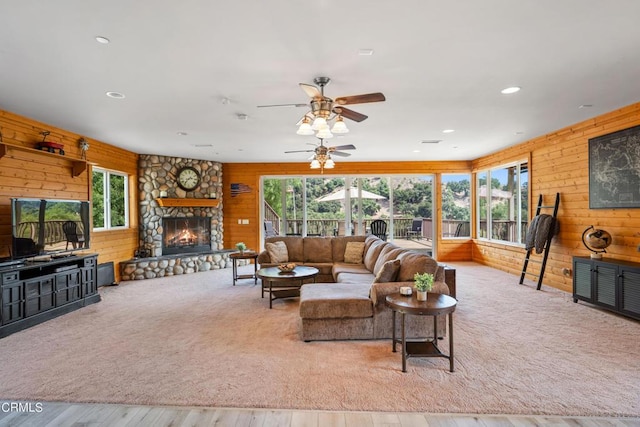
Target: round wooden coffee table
435	305
285	285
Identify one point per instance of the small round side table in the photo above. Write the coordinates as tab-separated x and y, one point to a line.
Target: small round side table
235	256
435	305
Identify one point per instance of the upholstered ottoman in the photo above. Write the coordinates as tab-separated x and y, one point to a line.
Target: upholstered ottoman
336	311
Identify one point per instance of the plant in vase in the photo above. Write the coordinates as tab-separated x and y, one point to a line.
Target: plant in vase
423	284
241	247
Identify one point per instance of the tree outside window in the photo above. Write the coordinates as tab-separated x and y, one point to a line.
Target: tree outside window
110	199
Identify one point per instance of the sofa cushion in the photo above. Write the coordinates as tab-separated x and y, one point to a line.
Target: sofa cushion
294	246
388	253
388	272
412	263
343	267
354	252
277	251
339	244
317	249
324	268
355	278
335	300
371	254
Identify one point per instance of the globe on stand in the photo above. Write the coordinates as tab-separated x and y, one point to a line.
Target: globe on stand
597	241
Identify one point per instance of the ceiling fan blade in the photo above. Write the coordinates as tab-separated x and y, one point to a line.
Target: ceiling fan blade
340	153
350	114
283	105
310	90
360	99
344	147
300	151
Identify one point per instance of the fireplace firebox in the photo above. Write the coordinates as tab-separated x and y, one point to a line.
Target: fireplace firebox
186	235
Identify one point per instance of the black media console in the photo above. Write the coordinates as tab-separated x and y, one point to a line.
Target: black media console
34	292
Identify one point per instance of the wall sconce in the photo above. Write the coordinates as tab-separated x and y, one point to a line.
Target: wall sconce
84	147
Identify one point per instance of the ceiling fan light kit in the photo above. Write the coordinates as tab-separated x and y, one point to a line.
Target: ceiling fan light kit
324	110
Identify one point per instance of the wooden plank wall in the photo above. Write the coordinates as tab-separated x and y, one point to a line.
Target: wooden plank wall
247	205
560	163
28	175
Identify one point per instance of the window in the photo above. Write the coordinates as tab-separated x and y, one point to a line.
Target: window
110	199
456	205
503	202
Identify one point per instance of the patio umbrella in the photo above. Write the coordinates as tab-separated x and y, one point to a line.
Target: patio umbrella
353	193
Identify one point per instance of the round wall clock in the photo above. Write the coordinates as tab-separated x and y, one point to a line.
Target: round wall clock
188	178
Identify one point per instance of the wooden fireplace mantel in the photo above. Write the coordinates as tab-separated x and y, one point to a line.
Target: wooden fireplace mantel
169	202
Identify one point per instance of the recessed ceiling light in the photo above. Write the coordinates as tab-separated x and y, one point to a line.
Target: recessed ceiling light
181	133
448	130
102	40
116	95
416	151
365	52
510	90
203	145
242	116
586	106
519	132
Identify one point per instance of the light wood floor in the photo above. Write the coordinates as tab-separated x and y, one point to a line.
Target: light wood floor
51	414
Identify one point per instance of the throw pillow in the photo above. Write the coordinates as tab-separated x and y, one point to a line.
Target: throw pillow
388	272
353	252
277	252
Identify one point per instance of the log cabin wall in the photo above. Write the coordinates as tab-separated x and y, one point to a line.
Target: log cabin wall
246	205
41	175
559	163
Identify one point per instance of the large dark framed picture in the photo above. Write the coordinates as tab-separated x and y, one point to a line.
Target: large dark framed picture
614	170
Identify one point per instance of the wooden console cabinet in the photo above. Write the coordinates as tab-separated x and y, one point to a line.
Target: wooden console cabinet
608	283
35	292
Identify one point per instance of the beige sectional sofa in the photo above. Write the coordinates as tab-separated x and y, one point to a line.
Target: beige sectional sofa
348	299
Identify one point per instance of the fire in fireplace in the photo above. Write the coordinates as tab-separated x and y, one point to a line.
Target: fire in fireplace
186	235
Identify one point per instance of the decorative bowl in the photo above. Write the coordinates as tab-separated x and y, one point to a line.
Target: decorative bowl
286	268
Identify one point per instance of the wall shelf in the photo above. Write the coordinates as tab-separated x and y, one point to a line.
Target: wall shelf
167	202
78	166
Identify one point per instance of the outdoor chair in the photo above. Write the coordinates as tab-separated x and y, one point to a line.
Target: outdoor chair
269	230
416	229
70	229
379	229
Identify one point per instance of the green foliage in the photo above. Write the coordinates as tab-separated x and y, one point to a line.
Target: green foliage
423	282
98	199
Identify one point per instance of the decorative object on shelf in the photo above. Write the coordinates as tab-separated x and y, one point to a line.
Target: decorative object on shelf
613	170
188	178
287	268
240	246
596	240
163	193
423	283
49	146
84	147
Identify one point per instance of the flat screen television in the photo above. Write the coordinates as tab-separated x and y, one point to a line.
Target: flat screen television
49	226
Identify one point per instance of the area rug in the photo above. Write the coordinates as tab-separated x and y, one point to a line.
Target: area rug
197	340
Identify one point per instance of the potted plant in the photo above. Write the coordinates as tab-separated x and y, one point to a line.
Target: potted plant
423	283
241	247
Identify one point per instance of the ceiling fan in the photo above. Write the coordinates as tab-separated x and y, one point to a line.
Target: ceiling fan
321	158
324	109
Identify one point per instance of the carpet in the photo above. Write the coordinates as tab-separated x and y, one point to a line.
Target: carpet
197	340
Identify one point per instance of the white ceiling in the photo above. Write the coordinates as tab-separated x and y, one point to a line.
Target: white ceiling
440	64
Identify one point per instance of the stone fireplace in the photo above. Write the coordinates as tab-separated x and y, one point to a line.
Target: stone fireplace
186	235
181	231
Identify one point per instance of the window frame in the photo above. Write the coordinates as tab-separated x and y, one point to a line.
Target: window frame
106	199
520	234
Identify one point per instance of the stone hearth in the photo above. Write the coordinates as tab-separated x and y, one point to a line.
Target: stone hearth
156	177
